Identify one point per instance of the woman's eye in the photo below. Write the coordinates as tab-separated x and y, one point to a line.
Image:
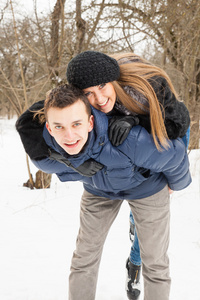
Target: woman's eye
87	94
102	85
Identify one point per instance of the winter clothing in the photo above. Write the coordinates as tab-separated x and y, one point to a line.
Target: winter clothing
133	280
136	171
152	219
126	168
135	257
136	168
31	132
91	68
176	119
88	168
119	128
132	160
176	115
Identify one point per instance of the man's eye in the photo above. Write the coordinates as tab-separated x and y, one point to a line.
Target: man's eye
58	127
102	85
77	124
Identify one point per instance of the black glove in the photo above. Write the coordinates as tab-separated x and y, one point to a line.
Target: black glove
119	128
89	168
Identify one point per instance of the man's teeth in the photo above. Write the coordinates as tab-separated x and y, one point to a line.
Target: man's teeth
72	143
103	103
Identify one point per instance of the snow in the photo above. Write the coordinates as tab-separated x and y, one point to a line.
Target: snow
38	230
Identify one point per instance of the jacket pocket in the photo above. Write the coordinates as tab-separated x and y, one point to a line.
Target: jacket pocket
127	178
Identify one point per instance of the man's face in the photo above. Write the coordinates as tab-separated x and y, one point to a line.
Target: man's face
70	126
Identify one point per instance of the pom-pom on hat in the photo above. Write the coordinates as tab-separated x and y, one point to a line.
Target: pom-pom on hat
91	68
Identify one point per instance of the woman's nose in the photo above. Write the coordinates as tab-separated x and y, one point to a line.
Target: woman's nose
98	96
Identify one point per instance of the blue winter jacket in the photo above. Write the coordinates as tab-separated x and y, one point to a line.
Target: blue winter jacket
133	170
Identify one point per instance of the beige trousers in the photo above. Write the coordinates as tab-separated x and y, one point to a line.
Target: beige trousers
152	220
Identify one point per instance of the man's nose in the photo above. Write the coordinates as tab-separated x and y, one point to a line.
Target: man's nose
69	134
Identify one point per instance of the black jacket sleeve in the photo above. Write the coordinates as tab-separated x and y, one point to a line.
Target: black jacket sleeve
176	114
31	133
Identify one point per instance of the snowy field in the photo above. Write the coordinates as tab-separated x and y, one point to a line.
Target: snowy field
38	231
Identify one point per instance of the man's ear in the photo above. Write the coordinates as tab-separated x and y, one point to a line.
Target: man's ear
91	123
48	128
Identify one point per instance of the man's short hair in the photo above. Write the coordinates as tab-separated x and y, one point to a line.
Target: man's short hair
63	96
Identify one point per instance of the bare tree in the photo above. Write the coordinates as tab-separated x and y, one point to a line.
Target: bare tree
55	35
13	87
174	26
34	51
81	28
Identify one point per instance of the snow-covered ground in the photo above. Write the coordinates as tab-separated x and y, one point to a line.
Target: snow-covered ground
38	231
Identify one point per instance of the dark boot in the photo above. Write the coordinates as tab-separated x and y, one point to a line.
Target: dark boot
133	287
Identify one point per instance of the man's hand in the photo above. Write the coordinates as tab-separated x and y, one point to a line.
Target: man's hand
89	168
119	128
170	191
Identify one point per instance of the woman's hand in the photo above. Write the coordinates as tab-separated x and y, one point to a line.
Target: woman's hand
119	128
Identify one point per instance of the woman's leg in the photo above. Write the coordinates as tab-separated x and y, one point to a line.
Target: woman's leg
135	248
133	265
132	227
96	216
135	257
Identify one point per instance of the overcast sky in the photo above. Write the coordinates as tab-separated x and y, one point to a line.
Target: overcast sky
42	6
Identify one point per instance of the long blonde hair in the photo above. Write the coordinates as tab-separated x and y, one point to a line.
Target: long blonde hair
135	72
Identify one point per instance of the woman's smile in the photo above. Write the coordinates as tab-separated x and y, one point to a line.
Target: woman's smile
104	103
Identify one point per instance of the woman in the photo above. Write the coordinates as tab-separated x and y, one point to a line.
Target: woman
132	92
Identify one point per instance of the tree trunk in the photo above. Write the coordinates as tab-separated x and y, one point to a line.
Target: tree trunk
42	180
81	28
54	55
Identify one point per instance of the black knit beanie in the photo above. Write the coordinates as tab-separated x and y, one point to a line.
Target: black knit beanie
91	68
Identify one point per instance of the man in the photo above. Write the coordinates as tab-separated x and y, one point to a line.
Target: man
135	171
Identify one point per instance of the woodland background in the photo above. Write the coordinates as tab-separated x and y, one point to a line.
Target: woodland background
36	47
38	228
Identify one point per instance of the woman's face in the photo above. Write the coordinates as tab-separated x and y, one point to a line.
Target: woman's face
101	97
